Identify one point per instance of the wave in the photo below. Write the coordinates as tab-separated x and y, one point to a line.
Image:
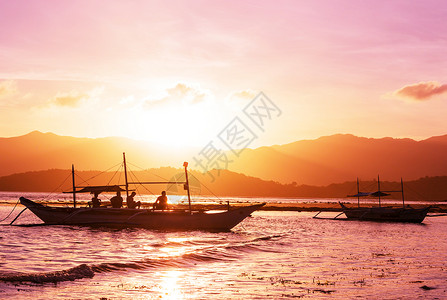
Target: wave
213	253
78	272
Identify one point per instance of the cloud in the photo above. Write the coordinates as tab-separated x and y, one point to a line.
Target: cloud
180	94
421	91
74	98
186	93
243	95
8	88
68	100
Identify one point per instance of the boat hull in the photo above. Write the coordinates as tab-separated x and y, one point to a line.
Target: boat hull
124	217
386	214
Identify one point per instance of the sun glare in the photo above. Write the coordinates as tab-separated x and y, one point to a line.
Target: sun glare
187	125
169	286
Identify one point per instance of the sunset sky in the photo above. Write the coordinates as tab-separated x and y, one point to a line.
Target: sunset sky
179	72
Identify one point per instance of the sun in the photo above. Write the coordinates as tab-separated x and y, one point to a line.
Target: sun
187	125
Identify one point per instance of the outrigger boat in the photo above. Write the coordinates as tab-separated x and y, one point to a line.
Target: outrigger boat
384	214
147	218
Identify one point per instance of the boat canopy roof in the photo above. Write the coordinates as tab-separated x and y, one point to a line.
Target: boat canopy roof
360	195
99	189
373	194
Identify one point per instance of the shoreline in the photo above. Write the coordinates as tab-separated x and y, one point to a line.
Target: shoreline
269	206
313	207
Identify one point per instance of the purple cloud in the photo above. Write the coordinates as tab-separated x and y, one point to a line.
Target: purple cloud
421	91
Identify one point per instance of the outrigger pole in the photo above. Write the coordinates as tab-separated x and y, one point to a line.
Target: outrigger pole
402	188
185	164
74	186
125	174
358	193
378	184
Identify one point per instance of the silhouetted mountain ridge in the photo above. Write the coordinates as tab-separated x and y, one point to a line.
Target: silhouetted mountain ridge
328	159
41	151
343	157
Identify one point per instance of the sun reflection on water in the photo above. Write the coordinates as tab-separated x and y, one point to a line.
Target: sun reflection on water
176	246
169	289
179	239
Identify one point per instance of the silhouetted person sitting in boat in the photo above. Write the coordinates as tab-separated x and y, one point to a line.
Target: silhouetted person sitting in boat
131	203
161	202
117	201
96	202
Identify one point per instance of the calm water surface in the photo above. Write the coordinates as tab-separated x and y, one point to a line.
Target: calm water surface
271	255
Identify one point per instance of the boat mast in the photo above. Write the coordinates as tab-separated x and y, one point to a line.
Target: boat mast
125	174
378	185
358	193
402	189
185	164
74	187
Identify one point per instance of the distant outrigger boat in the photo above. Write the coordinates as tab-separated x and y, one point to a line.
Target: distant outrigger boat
147	218
384	214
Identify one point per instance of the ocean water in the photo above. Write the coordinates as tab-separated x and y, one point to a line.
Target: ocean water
271	255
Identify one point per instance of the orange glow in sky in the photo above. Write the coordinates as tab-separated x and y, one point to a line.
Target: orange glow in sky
178	72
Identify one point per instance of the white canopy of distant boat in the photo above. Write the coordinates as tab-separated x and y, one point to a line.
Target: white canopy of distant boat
170	219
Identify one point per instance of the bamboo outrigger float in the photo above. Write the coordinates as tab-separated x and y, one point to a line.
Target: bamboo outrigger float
147	218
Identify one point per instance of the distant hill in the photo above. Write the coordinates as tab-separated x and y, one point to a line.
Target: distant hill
326	160
41	151
227	184
340	158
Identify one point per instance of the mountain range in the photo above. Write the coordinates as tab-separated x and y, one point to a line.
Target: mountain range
41	151
343	157
330	159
